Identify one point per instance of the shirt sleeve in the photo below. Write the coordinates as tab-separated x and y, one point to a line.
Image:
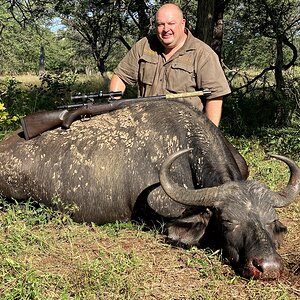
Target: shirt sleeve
210	75
128	68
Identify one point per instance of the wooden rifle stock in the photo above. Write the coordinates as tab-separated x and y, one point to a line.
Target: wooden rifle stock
40	122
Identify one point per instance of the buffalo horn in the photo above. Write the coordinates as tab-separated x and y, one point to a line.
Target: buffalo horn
202	197
291	191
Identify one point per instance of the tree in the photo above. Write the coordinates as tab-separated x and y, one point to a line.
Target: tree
266	29
205	20
27	12
139	13
209	25
42	61
94	21
20	46
276	20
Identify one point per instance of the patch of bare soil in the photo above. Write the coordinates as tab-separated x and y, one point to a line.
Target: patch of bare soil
156	270
290	250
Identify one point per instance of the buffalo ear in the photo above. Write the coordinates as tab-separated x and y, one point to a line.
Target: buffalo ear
185	234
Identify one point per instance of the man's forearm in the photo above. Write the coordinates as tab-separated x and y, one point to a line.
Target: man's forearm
213	110
117	84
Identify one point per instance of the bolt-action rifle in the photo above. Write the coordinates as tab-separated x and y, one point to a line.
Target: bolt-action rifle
39	122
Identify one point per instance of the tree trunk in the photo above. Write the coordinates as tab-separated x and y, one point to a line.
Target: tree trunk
101	65
42	61
144	20
218	25
283	109
209	26
205	21
279	64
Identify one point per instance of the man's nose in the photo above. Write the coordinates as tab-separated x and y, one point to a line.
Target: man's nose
166	27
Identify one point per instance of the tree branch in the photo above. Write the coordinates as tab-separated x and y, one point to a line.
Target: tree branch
270	68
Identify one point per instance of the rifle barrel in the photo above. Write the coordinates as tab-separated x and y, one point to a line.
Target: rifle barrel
205	93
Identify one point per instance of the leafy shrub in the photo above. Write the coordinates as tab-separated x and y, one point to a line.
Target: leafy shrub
53	90
284	141
248	114
5	119
13	96
8	121
57	87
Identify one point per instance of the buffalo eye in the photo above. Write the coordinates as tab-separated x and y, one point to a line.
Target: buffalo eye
277	230
230	225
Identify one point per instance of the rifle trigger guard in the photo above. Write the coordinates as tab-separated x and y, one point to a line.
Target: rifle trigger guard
111	99
85	118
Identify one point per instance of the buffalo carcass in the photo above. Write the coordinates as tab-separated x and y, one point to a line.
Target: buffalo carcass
109	168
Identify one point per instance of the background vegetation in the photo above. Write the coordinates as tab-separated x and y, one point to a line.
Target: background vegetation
51	50
257	41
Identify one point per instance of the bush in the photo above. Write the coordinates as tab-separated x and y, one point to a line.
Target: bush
284	141
8	119
13	96
249	114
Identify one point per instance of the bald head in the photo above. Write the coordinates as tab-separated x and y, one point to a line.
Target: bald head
169	8
170	26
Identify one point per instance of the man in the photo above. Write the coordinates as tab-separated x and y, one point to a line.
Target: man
173	61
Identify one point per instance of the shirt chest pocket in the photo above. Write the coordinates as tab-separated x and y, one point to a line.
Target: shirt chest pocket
180	77
147	71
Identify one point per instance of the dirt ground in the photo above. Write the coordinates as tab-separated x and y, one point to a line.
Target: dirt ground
68	260
155	270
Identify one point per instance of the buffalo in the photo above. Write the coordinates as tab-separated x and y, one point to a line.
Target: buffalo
155	162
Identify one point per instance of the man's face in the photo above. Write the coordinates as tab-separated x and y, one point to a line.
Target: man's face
170	27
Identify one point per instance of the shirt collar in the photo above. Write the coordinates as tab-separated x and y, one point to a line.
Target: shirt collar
189	42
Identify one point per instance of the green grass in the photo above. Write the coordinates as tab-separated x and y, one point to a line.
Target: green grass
262	166
45	255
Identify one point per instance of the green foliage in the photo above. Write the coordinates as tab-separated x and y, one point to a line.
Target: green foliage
257	151
245	115
17	46
20	48
251	30
12	103
249	113
6	121
253	123
96	22
12	95
285	141
60	52
52	91
31	212
55	89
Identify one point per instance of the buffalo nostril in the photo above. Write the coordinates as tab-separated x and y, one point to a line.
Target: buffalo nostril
258	264
269	267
